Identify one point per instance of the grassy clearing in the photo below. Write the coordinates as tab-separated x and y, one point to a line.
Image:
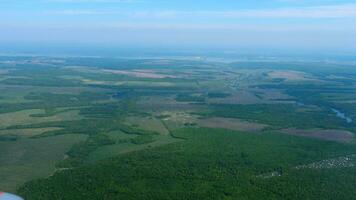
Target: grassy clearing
119	136
28	159
125	145
148	123
164	104
10	94
239	97
30	132
24	117
16	94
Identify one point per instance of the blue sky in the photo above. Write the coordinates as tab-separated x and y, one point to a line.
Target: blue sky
293	24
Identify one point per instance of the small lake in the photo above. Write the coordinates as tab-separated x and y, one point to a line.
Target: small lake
341	115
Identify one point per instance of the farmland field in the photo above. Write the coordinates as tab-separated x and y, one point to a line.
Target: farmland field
110	128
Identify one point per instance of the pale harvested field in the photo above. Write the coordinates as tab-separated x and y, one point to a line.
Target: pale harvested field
140	73
145	83
94	82
179	116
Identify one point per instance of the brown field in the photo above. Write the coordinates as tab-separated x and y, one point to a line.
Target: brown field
140	73
289	75
232	124
333	135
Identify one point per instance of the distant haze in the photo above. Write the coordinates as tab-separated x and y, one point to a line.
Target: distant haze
325	25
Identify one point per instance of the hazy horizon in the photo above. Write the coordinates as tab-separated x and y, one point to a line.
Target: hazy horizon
276	25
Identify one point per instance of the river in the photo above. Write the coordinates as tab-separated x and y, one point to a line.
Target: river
341	115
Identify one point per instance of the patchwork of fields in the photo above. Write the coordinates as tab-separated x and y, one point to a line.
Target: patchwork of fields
106	128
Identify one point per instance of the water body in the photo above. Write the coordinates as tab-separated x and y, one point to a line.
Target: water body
341	115
338	113
300	103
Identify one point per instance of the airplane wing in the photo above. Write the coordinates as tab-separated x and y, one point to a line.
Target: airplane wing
7	196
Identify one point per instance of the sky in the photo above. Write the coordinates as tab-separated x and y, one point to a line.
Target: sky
231	24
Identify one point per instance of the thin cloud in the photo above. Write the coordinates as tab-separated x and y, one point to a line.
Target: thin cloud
78	12
92	1
336	11
333	11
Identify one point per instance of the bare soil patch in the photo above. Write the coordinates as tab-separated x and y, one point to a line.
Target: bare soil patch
289	75
232	124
